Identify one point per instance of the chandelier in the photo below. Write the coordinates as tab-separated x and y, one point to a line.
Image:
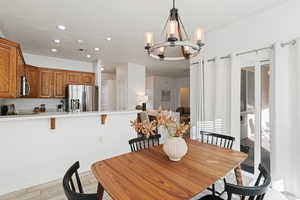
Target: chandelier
174	36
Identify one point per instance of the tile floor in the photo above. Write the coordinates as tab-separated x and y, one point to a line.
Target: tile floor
53	190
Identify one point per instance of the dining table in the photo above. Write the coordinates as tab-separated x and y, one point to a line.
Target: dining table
148	174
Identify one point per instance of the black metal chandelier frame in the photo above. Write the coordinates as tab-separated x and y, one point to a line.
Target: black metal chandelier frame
182	40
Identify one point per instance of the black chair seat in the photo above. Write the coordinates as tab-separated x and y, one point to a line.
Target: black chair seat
211	197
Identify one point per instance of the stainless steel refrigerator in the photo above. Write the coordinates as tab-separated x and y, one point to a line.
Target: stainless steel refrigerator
82	98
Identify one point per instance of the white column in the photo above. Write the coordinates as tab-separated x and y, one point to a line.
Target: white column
136	84
131	81
97	69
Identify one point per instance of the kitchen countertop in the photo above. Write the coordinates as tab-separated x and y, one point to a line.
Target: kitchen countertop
64	115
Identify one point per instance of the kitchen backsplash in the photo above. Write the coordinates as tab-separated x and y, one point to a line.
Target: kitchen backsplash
27	104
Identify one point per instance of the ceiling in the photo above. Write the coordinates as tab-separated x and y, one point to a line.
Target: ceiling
33	23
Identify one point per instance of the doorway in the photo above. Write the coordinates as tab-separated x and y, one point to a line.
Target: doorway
255	116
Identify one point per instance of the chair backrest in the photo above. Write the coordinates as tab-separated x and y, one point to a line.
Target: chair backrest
256	192
73	190
224	141
140	143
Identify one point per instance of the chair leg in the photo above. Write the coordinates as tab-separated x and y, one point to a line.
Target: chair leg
213	190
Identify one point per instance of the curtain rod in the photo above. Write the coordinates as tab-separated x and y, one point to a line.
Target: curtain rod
242	53
292	42
254	50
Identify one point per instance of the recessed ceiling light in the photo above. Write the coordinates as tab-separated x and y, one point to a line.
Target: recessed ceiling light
108	38
102	69
61	27
80	41
97	49
88	56
54	50
56	41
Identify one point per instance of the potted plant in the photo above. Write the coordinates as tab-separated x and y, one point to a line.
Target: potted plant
175	146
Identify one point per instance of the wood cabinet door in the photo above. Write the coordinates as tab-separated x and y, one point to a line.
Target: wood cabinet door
74	78
46	83
33	77
60	84
8	88
20	72
87	78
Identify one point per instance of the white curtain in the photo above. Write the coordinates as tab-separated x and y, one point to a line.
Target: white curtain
212	96
285	143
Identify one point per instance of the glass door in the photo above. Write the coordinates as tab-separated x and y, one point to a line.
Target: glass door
255	116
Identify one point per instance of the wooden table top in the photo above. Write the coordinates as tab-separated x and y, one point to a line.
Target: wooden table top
148	174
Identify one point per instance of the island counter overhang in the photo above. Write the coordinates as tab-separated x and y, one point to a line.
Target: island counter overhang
32	153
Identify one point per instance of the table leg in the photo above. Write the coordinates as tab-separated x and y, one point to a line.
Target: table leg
238	175
100	191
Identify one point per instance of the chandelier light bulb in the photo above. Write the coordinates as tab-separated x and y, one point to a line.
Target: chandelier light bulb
199	33
186	50
149	39
172	30
161	50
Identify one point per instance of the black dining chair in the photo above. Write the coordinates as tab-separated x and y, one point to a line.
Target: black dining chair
75	191
143	142
220	140
256	192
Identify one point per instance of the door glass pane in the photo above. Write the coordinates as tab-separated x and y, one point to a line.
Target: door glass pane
248	116
265	116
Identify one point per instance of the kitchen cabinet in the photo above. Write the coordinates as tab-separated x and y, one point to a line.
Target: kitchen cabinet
33	77
42	82
87	78
8	69
60	83
46	83
73	77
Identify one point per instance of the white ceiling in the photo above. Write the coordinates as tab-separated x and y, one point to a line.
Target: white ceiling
33	23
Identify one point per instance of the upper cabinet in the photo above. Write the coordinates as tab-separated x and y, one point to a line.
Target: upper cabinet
46	83
16	78
73	78
88	78
60	83
9	64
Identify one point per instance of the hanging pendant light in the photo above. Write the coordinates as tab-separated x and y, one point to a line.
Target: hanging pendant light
174	35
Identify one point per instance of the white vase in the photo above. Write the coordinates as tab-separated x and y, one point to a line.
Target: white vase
175	148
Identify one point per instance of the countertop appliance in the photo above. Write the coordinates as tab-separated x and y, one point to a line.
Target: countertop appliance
82	98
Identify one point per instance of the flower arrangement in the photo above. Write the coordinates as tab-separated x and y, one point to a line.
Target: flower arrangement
163	119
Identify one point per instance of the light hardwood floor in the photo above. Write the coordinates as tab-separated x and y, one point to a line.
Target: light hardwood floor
53	190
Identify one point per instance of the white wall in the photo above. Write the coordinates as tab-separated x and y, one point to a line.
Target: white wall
136	83
1	34
155	84
108	76
57	63
32	154
278	24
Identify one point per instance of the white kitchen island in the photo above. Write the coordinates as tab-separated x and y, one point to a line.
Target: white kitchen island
32	153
